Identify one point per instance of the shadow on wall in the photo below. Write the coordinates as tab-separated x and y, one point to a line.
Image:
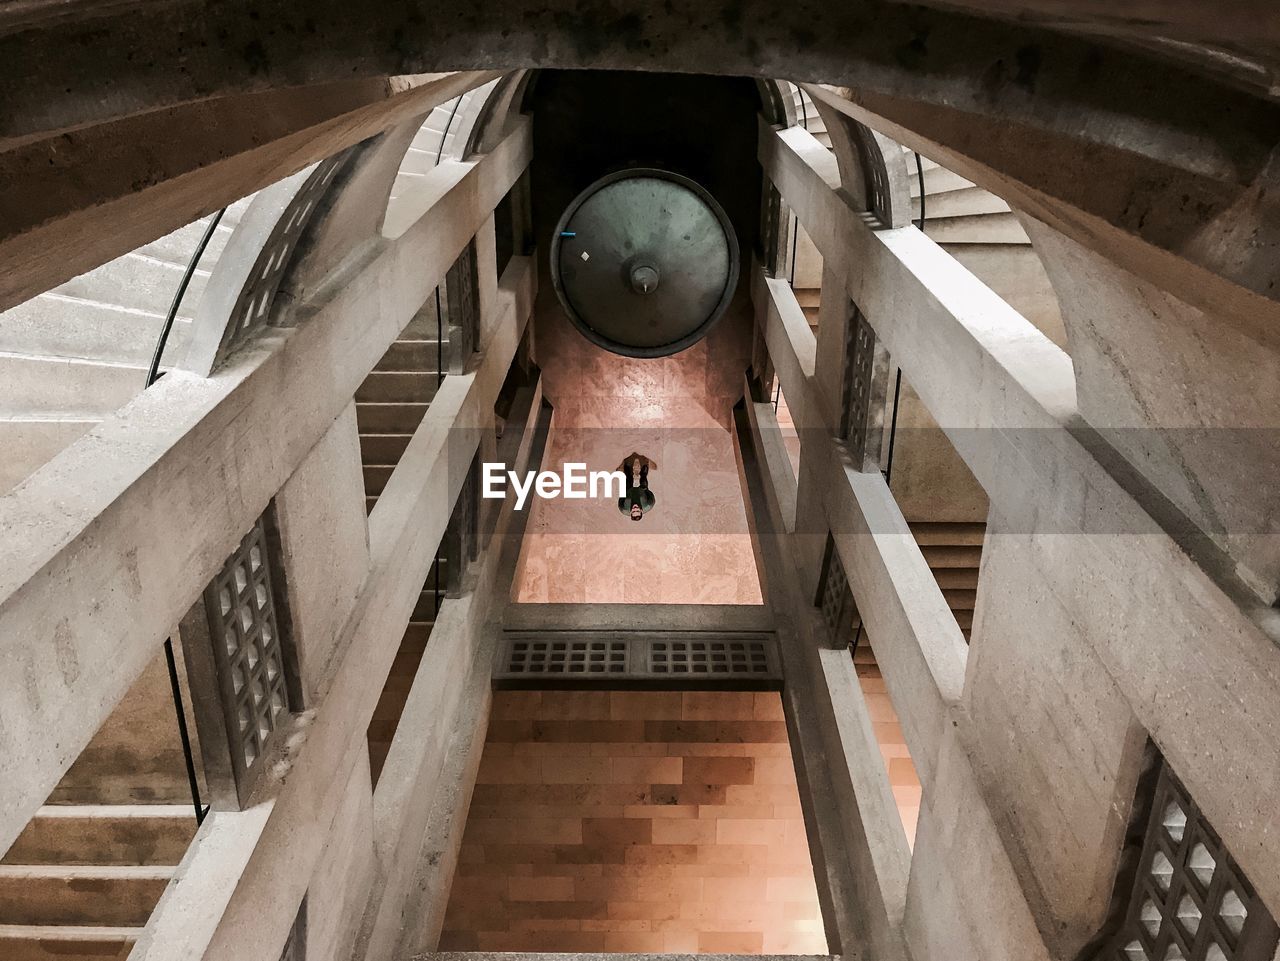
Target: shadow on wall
694	547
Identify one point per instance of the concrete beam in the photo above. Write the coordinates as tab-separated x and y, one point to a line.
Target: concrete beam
1193	652
1196	220
917	642
625	617
405	531
161	54
91	581
1240	25
1065	103
860	853
77	199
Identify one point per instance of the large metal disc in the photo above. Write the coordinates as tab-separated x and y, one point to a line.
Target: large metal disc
644	262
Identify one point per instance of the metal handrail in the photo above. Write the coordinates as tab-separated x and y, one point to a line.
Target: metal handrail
153	374
153	371
444	137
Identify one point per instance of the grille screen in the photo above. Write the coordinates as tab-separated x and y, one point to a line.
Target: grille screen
649	656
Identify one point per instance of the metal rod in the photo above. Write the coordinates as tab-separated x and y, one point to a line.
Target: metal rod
439	341
920	180
153	372
893	427
448	123
795	227
182	731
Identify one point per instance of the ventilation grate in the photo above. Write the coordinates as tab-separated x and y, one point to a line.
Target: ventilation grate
567	657
625	655
730	658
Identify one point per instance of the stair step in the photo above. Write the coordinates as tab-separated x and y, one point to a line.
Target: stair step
938	180
397	387
982	229
142	834
410	355
139	281
394	696
52	385
55	325
808	296
376	477
948	533
425	607
960	600
971	201
61	894
957	578
389	418
951	556
179	246
21	942
383	448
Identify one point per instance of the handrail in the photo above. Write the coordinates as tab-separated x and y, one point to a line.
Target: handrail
444	137
153	374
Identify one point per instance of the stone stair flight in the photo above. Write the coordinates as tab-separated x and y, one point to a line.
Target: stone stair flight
73	355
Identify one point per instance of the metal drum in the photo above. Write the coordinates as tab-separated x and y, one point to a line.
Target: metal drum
644	262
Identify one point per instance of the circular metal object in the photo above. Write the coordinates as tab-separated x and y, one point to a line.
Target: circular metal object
644	262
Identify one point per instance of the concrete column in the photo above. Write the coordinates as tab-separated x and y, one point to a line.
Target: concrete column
324	543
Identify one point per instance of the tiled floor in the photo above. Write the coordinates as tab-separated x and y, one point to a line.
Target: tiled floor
893	745
638	822
694	546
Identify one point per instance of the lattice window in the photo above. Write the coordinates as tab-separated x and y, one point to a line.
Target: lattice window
1190	901
462	303
567	657
771	239
729	658
252	309
835	598
876	173
248	650
860	355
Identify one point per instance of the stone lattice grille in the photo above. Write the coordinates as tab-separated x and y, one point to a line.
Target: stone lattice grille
247	649
252	310
1190	901
859	369
836	601
461	286
567	657
729	658
770	227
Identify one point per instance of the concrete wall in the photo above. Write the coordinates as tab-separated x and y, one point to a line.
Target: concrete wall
1191	403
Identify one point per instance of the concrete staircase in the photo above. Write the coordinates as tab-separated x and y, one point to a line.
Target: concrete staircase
81	881
73	355
442	136
982	232
953	552
394	397
389	407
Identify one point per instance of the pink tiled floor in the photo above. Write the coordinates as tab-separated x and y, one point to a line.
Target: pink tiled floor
694	546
